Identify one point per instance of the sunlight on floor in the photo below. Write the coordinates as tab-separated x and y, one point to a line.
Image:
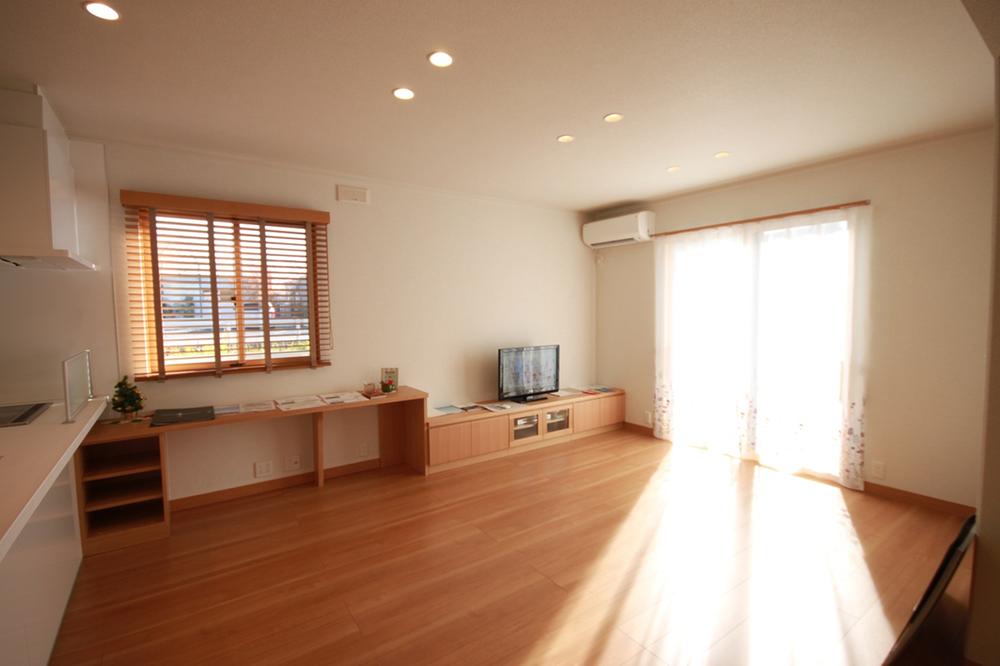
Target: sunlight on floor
728	563
809	581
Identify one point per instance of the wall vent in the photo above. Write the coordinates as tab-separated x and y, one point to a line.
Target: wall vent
352	194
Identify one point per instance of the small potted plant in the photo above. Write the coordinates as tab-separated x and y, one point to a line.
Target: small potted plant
127	400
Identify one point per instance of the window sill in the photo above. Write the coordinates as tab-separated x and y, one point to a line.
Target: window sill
210	372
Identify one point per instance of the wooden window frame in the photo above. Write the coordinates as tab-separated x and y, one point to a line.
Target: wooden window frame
144	291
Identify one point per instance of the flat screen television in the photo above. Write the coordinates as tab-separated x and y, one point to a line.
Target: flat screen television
528	373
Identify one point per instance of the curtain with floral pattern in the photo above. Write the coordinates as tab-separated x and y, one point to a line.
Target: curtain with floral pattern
761	341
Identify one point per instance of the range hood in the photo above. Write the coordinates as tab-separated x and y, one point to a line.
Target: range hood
38	228
56	260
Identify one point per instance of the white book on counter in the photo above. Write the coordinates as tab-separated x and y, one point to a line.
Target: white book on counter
342	397
299	402
225	410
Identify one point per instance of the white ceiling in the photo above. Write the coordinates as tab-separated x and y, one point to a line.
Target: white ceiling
778	83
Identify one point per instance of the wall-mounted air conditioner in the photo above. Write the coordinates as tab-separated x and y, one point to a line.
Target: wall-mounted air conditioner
620	230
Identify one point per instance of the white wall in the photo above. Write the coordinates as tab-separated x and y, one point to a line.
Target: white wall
626	330
930	271
428	281
50	315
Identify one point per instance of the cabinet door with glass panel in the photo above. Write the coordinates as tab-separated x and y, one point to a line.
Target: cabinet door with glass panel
557	421
526	428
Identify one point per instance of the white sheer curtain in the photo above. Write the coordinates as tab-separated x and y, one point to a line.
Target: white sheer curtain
761	341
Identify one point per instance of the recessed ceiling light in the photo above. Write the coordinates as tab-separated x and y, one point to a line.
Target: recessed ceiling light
101	11
673	169
722	154
440	59
403	93
613	117
565	138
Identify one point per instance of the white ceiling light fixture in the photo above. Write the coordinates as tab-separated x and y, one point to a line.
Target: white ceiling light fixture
440	59
102	11
403	94
723	154
673	169
613	118
565	138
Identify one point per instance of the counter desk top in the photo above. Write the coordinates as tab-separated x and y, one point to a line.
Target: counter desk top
32	457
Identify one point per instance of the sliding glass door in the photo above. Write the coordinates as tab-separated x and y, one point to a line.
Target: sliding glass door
803	297
757	342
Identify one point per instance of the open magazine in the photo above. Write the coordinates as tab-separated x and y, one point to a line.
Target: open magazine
340	397
499	406
298	402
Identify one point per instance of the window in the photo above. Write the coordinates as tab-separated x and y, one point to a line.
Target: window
217	287
761	340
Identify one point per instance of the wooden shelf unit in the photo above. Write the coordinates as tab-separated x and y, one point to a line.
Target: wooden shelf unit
122	490
457	440
122	472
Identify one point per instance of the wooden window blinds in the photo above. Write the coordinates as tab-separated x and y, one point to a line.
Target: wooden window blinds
216	287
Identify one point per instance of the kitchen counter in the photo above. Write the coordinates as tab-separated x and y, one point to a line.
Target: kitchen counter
31	459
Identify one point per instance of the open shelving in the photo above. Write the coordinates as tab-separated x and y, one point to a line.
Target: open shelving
130	516
121	486
122	490
124	466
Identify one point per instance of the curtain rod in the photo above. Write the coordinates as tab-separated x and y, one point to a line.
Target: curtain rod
849	204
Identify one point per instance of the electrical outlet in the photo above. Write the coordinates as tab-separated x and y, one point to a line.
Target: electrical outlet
293	463
263	468
878	469
649	418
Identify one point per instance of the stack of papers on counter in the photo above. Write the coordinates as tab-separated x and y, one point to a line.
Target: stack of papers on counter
244	408
299	402
263	406
341	397
499	406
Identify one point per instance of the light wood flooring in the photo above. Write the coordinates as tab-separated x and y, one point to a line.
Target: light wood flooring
614	549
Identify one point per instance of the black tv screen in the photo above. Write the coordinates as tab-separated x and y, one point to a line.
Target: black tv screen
528	371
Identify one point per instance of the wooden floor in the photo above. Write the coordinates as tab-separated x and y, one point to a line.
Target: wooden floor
613	549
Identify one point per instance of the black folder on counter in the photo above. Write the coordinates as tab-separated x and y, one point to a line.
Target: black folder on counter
187	415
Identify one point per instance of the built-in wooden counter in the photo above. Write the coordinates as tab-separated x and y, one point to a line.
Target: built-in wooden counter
107	432
122	471
548	401
455	440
